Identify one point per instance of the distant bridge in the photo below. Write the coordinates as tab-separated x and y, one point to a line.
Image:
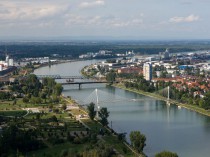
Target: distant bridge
85	82
59	77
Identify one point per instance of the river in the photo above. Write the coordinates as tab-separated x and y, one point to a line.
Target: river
166	127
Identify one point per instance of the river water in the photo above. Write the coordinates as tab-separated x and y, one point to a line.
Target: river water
166	127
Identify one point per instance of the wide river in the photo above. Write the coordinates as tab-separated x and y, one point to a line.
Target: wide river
166	127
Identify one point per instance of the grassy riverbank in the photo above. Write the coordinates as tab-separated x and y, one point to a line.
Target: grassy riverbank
156	96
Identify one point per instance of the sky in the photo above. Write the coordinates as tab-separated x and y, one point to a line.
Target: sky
121	19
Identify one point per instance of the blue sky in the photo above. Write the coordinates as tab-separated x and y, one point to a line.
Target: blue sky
139	19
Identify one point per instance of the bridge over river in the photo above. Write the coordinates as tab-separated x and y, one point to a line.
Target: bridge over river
70	80
86	82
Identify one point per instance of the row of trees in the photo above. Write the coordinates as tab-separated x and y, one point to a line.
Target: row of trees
140	83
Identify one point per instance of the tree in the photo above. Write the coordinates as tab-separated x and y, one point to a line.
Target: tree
206	103
104	114
166	154
110	77
25	89
137	140
36	100
38	116
4	95
15	102
201	103
58	89
64	106
43	95
54	99
54	118
91	110
56	110
25	99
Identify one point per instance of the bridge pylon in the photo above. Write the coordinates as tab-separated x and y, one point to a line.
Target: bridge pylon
168	99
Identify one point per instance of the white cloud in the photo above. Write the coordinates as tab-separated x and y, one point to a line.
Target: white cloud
91	4
178	19
27	11
103	21
116	22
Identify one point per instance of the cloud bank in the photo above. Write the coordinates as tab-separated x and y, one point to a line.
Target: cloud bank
179	19
91	4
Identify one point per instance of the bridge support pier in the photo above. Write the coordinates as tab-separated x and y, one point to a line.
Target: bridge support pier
80	86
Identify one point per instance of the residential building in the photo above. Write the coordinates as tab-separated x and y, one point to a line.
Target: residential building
147	71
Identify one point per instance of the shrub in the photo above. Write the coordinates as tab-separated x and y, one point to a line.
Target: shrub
77	140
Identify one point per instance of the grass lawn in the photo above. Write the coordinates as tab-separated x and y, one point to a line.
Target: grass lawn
77	112
8	105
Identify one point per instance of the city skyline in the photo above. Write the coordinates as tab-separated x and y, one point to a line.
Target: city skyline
133	19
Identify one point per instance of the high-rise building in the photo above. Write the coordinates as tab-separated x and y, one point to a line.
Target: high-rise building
147	71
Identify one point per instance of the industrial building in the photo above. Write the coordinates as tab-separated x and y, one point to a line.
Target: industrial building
7	66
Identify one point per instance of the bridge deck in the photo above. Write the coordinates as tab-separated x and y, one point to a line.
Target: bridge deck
92	82
59	77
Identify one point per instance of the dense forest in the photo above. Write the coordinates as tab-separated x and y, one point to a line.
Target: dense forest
75	48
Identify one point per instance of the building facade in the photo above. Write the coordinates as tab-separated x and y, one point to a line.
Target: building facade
147	71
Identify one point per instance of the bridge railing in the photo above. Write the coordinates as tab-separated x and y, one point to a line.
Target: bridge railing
59	77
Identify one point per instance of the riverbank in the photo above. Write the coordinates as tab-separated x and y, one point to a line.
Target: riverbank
153	95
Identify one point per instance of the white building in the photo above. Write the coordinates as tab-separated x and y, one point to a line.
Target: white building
1	67
11	62
147	71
